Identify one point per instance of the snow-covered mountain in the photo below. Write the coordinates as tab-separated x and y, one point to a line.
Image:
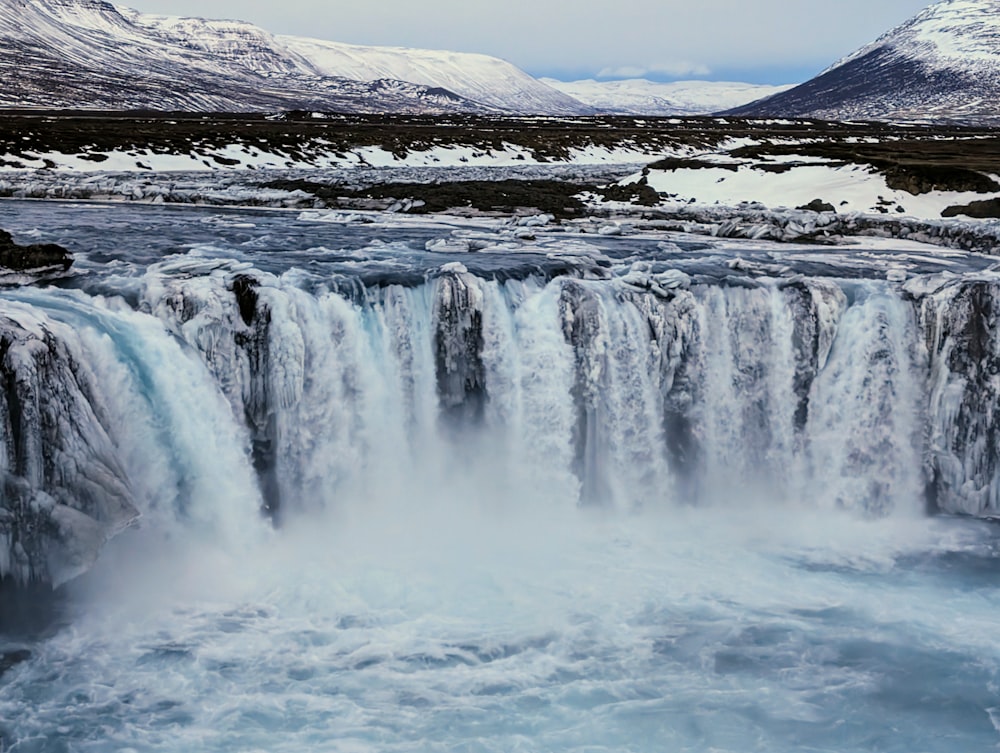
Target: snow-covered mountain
642	97
943	64
90	54
480	78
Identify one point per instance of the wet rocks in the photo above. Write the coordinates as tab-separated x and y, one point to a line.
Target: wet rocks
756	222
35	257
63	491
458	325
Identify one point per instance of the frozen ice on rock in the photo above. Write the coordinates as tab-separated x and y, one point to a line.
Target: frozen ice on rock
537	220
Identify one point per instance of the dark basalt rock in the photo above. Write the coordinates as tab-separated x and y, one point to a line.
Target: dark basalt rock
962	332
34	257
245	290
63	491
259	409
551	196
638	193
920	179
458	345
680	163
818	205
986	209
775	169
554	197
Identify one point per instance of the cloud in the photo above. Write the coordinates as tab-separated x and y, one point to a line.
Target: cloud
676	69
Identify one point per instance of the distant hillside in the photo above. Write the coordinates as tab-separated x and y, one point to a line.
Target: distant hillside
642	97
941	65
90	54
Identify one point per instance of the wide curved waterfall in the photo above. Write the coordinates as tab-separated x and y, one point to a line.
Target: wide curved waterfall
537	485
644	390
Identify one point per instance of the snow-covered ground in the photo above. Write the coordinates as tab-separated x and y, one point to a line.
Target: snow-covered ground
318	155
642	97
848	188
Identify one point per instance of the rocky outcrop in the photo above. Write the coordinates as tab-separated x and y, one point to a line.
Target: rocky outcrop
37	257
63	491
806	225
818	205
985	209
458	321
921	179
960	326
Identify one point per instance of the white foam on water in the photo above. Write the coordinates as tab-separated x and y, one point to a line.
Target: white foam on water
536	572
438	624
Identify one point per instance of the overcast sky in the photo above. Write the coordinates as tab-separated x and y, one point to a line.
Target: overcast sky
764	41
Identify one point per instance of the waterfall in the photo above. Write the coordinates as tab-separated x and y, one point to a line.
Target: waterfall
222	395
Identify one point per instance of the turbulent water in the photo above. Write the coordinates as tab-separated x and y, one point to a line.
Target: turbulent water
415	487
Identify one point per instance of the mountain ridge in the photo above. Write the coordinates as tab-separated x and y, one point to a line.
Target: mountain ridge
943	64
92	54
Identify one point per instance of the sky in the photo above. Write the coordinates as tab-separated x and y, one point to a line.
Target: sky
760	41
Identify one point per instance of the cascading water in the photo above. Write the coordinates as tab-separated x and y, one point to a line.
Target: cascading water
101	429
634	505
583	391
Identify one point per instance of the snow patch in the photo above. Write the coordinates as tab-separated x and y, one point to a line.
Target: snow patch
849	188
